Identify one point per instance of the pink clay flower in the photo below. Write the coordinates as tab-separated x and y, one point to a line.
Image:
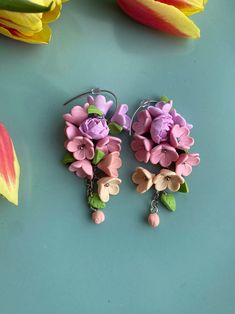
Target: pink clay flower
142	147
185	163
77	115
163	154
109	144
81	147
82	168
179	137
143	123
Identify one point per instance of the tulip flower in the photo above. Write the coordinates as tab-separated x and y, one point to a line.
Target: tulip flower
30	27
166	15
9	167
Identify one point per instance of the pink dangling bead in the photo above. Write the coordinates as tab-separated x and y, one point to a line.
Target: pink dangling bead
98	217
153	220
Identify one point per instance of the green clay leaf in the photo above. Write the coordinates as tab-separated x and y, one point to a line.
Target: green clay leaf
95	202
165	99
23	6
92	109
99	155
184	188
168	200
68	159
115	128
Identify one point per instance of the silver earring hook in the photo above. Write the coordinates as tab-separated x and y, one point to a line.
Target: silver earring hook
94	91
143	104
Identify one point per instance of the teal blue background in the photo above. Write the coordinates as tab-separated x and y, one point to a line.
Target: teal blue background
52	258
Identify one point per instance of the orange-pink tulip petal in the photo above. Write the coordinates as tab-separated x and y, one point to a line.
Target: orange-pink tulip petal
9	167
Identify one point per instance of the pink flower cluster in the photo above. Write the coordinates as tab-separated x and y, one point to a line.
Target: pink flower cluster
85	134
162	136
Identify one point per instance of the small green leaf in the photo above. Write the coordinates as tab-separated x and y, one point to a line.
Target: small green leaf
92	109
184	188
99	155
95	202
165	99
168	200
115	128
24	6
68	159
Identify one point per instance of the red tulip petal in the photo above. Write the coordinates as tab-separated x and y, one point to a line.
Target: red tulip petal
9	167
161	16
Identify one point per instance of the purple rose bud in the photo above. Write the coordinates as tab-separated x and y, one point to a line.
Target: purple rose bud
94	128
160	128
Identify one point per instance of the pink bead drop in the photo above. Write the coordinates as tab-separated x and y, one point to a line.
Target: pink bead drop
153	220
98	217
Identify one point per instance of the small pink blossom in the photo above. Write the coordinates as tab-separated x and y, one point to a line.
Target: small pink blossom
71	131
82	168
143	123
142	147
179	137
185	162
160	108
163	154
109	144
81	147
77	115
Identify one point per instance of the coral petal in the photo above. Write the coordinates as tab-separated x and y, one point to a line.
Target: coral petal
9	167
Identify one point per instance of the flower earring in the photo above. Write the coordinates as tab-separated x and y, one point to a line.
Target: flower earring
93	149
161	136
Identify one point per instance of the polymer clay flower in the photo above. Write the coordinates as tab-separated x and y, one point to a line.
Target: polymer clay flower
100	103
109	144
142	147
160	108
81	147
178	119
143	178
185	163
77	115
160	128
110	164
71	131
179	137
143	123
167	179
108	186
29	27
94	128
82	168
120	117
163	154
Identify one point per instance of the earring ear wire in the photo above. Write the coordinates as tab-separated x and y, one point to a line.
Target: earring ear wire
94	91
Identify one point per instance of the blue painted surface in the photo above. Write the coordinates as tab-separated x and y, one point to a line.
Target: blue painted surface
52	258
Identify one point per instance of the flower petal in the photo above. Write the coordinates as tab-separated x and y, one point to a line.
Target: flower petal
160	16
9	167
160	182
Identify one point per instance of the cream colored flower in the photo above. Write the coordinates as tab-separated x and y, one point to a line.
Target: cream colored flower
143	178
108	186
167	179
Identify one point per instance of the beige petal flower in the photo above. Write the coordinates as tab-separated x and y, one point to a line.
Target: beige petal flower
143	178
167	179
108	186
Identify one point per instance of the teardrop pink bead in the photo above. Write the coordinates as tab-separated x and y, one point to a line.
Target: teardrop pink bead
154	220
98	217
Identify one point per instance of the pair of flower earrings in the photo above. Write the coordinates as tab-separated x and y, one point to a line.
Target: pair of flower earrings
160	136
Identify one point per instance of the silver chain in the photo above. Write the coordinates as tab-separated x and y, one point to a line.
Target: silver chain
154	203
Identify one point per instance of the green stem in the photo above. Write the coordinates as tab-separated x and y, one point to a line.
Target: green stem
23	6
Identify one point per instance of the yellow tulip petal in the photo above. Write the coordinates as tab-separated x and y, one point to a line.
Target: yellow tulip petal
160	16
9	168
42	37
52	15
188	7
26	23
